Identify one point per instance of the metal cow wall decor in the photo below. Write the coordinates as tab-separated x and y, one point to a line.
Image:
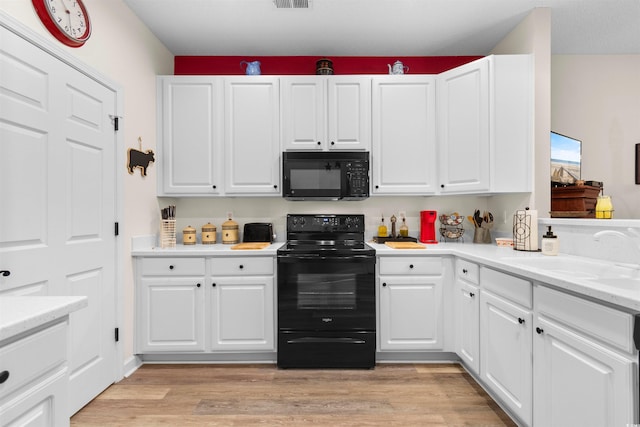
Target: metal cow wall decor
139	159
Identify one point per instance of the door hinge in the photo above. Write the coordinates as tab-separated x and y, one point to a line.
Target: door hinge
117	229
116	122
117	334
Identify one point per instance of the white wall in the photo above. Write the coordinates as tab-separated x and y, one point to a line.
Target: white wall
596	98
123	50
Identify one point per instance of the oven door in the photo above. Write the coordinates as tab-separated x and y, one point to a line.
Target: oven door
326	293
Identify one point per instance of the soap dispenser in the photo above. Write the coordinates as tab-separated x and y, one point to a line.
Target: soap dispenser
550	243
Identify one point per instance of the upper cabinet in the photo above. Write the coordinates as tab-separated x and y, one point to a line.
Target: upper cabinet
468	130
485	122
404	135
326	112
189	153
218	136
252	135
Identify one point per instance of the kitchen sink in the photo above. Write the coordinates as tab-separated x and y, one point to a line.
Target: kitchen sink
579	268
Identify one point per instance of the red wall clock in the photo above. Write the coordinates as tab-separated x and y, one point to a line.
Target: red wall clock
67	20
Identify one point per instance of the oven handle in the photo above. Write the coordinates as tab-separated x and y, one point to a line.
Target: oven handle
317	340
347	258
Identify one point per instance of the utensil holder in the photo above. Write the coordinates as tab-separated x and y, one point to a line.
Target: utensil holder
168	233
482	235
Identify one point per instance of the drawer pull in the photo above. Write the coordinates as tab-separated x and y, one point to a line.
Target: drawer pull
384	284
198	284
213	284
465	271
410	265
171	267
4	376
5	273
539	331
471	294
520	320
241	266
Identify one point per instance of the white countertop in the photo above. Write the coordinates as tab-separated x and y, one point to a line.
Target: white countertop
20	313
503	258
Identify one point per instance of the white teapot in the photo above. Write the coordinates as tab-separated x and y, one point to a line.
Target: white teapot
398	68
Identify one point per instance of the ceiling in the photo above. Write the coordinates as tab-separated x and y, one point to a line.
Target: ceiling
383	27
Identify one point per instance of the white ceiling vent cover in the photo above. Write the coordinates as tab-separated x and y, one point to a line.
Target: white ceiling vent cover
292	4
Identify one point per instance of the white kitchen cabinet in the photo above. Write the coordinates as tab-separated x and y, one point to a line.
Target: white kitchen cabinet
326	112
505	341
485	126
190	132
252	136
242	304
410	303
171	305
35	378
583	363
467	314
403	135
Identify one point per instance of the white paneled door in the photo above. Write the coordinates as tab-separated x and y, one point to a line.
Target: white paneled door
57	192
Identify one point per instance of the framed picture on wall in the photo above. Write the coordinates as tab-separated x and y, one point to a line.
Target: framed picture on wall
566	159
638	164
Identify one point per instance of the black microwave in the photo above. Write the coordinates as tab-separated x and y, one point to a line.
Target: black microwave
322	175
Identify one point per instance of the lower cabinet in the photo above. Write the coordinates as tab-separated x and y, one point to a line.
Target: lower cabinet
579	379
505	340
467	308
213	304
242	313
34	379
410	303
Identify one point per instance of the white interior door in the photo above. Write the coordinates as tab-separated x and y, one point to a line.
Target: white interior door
57	186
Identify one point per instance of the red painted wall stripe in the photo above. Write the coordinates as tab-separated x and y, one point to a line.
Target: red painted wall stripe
306	65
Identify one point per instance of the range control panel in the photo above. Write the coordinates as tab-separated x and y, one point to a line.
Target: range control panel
325	223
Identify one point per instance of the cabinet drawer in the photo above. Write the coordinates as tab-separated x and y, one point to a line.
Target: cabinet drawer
172	266
33	356
513	288
411	265
242	266
468	271
603	323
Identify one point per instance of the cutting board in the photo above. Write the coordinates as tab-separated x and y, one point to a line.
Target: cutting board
250	245
405	245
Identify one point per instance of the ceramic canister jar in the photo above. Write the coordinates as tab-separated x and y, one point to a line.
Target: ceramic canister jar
229	232
189	235
208	234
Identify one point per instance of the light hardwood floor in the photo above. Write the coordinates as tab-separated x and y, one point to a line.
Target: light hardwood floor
261	395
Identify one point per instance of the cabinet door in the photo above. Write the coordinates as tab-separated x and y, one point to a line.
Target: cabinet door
463	128
410	313
579	382
505	353
303	106
191	111
403	135
467	306
349	113
171	314
242	313
252	136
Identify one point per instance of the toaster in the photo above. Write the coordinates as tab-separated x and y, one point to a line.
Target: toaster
258	232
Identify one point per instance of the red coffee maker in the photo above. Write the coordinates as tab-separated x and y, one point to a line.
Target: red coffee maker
428	226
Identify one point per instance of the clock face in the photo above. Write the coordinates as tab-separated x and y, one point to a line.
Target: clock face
66	20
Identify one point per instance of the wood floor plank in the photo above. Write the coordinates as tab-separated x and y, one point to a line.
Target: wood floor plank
262	395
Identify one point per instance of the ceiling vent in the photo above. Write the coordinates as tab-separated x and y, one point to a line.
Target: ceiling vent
292	4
